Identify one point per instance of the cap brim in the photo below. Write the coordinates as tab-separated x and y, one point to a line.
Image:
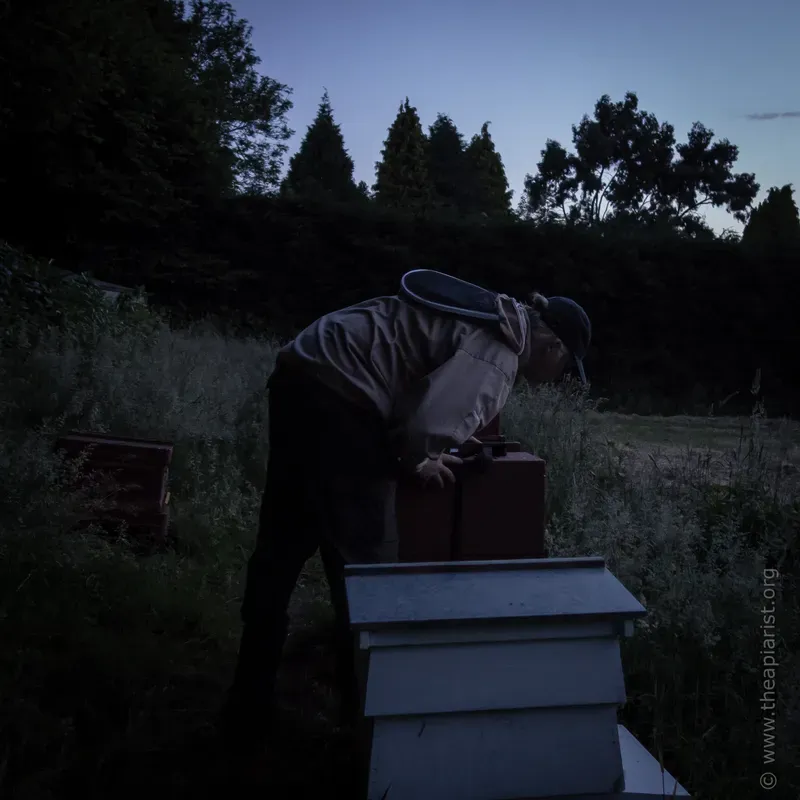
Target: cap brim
581	370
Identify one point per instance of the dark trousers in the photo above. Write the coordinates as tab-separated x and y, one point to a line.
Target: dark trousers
330	486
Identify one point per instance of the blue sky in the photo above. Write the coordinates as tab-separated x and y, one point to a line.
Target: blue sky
534	68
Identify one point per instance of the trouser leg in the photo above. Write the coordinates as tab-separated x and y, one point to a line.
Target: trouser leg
343	638
288	536
327	486
272	575
362	531
271	578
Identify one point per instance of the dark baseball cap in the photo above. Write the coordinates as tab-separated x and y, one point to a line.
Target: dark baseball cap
571	324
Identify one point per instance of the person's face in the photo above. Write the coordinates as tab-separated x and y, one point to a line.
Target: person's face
548	360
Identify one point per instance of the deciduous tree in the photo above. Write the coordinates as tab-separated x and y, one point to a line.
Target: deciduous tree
105	135
121	119
627	167
247	109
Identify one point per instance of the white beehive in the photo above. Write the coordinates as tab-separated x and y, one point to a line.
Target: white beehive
496	680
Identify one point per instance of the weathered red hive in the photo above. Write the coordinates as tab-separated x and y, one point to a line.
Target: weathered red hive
139	469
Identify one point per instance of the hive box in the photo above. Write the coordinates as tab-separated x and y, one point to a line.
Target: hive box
496	680
140	470
492	513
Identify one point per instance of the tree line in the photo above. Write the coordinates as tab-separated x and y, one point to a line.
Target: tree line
127	117
627	170
437	172
143	143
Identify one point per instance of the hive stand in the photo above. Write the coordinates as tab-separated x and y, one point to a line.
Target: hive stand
497	680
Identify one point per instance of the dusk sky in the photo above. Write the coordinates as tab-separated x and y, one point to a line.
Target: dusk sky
534	68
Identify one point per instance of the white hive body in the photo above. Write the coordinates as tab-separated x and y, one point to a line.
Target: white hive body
497	680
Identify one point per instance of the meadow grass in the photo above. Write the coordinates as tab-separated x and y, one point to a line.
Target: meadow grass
113	664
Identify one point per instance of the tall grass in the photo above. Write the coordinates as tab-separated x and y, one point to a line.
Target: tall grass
699	554
109	660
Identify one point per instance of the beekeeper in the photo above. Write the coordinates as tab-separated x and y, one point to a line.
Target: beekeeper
363	394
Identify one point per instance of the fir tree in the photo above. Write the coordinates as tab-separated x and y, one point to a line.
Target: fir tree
447	165
401	175
775	221
322	167
489	190
364	192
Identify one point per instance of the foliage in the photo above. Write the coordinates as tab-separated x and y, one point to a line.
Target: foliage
127	117
681	325
322	167
98	96
775	221
488	183
627	168
36	298
247	110
364	191
448	169
114	665
401	175
696	537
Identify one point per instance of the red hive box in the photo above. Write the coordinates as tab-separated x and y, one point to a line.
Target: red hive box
492	513
502	510
139	468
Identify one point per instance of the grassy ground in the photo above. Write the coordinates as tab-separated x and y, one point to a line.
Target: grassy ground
718	434
724	443
113	665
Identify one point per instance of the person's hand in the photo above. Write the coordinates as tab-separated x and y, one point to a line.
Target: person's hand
437	470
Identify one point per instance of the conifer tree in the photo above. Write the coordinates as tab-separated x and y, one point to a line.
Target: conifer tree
401	175
448	171
364	192
321	167
489	190
775	221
